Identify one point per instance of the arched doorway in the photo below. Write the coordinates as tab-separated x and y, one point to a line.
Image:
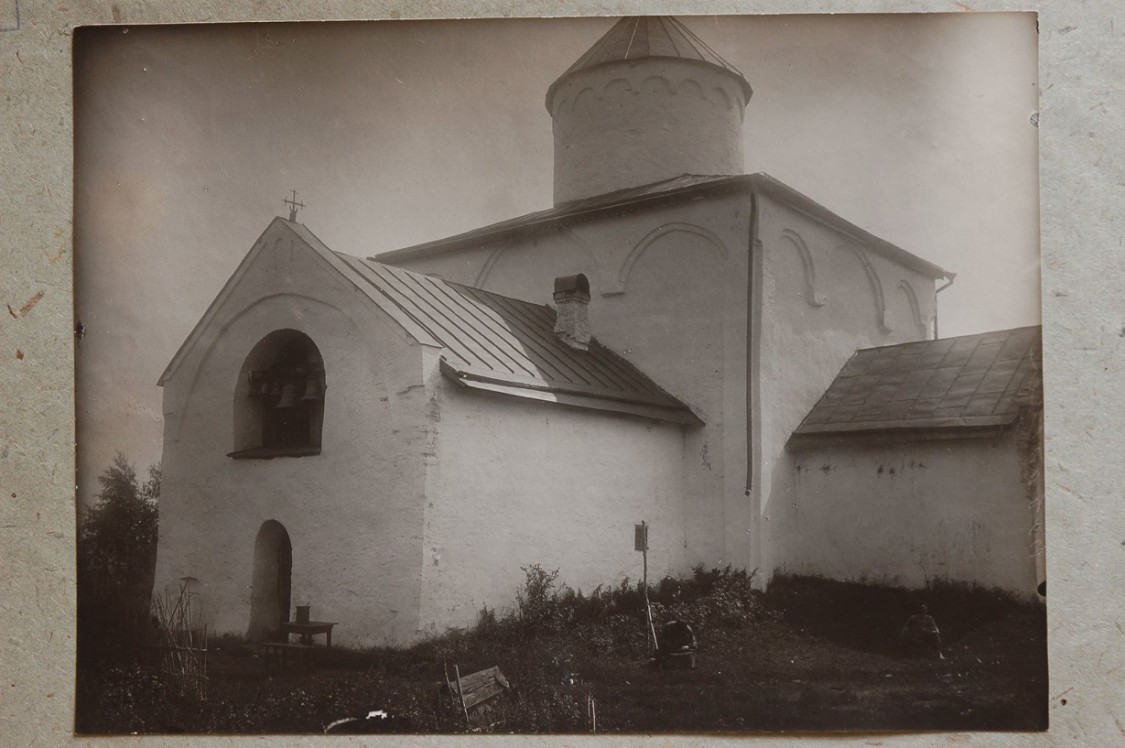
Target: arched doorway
270	585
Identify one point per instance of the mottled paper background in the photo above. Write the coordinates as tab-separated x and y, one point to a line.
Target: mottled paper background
1082	61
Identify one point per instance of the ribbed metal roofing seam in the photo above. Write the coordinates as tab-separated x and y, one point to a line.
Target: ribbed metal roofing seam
638	37
487	336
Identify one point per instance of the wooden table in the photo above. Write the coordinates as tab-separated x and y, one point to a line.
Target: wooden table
308	630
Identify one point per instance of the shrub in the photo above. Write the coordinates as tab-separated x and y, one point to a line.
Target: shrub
539	601
612	619
869	616
117	560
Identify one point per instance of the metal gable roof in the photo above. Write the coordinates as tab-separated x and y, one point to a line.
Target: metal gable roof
506	345
951	383
489	342
639	37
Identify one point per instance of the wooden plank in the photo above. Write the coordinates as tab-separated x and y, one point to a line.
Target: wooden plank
461	694
481	676
484	693
472	690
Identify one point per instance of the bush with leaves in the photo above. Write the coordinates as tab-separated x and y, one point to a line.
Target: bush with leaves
612	619
539	601
117	555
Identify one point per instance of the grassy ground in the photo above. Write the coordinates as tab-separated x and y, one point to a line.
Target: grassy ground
810	655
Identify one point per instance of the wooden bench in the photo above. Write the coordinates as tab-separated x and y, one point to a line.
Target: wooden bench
277	653
466	693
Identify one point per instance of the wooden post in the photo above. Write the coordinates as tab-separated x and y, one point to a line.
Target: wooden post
461	695
643	543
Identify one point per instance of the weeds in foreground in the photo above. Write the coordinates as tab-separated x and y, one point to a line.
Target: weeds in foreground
182	639
768	661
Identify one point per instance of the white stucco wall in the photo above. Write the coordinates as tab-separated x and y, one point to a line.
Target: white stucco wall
823	296
909	514
354	512
636	122
515	483
669	293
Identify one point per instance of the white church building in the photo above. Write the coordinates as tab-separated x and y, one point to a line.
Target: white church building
391	439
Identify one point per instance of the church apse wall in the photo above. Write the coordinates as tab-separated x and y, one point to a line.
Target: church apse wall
823	294
351	514
516	482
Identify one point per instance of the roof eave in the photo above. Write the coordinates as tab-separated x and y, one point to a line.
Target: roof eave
504	230
571	396
886	436
767	185
759	182
216	302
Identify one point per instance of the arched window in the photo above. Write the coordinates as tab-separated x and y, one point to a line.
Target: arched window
279	398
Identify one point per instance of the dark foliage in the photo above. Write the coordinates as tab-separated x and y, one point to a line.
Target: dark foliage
613	618
869	617
783	660
117	561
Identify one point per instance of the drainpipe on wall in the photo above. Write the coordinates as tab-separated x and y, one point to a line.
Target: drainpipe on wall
756	558
751	341
949	282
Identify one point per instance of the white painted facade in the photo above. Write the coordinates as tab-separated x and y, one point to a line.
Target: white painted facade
354	512
912	513
671	291
514	483
740	298
628	123
425	500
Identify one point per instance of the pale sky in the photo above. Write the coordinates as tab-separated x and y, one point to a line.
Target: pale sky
915	127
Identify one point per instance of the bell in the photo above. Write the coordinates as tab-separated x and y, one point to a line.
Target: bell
288	396
275	388
312	391
264	388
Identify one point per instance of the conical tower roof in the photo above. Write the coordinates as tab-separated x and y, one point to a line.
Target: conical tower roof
638	37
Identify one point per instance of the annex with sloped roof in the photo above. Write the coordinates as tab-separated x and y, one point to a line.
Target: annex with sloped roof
330	417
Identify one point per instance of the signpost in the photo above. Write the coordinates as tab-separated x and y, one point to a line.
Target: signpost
640	543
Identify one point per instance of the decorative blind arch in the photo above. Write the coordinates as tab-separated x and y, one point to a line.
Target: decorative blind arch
711	239
875	284
812	295
915	306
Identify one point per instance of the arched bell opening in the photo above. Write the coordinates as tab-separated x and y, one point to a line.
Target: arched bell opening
279	398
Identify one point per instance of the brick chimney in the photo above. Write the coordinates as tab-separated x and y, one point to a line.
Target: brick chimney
572	295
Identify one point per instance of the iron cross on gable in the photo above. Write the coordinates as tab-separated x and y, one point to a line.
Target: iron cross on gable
294	206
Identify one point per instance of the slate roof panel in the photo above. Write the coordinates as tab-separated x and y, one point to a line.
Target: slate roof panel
897	410
966	381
